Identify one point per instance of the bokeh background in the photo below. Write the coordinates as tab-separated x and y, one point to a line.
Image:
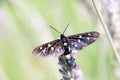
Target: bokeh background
24	25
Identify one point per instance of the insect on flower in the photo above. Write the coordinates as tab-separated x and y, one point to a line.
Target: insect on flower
65	45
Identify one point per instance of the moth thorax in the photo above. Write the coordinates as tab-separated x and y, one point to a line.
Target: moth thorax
67	50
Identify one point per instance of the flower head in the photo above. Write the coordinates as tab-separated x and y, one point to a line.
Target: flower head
70	70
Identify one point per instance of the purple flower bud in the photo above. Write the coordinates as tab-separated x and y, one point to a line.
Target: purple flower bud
70	70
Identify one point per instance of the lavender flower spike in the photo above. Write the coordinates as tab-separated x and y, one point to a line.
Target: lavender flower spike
69	69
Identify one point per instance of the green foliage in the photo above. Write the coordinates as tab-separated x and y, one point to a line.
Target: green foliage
25	26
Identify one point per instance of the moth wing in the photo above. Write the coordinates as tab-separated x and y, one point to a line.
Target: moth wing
81	40
51	48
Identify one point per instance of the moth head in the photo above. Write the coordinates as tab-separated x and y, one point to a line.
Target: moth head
63	38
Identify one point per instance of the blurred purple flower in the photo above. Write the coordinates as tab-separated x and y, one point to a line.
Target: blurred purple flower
69	69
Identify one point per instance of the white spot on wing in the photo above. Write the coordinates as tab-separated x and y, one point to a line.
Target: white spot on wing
79	40
89	34
71	43
80	36
52	48
75	45
41	47
88	38
44	50
58	49
49	45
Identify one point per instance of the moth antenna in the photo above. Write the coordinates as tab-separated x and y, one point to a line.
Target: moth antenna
65	28
54	29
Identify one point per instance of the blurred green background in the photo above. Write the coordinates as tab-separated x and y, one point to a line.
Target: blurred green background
24	25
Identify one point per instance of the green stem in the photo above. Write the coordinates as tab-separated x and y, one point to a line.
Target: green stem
106	31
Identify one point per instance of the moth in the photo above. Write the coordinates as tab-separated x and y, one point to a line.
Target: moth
65	45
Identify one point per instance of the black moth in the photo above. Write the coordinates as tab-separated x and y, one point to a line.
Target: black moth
65	45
